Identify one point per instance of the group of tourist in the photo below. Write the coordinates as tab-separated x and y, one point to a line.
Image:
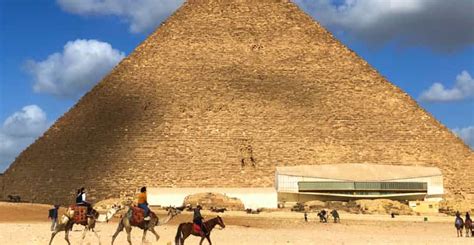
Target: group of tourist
324	215
142	203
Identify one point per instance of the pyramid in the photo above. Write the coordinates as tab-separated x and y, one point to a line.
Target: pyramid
218	96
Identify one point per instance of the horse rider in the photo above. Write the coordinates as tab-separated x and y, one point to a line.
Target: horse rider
81	200
197	218
143	203
468	217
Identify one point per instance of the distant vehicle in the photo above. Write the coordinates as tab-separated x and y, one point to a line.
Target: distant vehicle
299	207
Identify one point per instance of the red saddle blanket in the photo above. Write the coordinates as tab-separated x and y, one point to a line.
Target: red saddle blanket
197	228
138	215
80	214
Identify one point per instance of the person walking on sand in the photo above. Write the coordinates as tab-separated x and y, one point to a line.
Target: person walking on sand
305	216
53	215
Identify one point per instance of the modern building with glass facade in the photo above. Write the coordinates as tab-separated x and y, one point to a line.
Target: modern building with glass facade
344	182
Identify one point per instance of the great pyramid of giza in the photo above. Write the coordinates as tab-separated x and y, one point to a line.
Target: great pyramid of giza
222	93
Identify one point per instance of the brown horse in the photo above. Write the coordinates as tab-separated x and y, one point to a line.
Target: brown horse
186	229
468	226
128	221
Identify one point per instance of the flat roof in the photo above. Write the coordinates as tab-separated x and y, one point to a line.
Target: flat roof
359	171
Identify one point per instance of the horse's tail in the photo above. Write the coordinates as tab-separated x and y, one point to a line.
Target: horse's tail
179	235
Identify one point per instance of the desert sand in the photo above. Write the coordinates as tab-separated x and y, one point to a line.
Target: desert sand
27	224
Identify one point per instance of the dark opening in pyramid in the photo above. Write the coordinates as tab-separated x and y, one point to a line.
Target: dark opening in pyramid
218	96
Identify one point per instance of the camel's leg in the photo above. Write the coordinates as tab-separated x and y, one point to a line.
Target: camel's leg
119	229
144	235
96	235
152	229
84	235
128	229
53	235
66	236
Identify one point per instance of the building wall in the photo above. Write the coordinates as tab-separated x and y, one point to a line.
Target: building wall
424	206
251	197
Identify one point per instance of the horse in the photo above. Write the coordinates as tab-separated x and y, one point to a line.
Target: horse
469	227
77	215
186	229
134	217
459	224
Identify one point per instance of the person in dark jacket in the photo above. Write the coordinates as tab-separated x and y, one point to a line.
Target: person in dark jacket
197	218
53	215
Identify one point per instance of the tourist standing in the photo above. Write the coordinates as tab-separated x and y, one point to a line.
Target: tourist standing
53	215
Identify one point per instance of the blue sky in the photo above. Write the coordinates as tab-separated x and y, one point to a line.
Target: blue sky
52	51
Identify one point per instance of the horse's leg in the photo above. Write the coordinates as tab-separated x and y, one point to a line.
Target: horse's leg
119	229
208	237
144	235
202	239
152	229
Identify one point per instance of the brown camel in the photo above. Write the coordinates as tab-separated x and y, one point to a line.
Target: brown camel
128	221
70	218
186	229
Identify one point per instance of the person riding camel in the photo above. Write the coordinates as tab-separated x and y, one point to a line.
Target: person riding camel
197	219
81	200
143	204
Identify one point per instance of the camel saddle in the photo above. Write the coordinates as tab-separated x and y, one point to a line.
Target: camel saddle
137	216
80	214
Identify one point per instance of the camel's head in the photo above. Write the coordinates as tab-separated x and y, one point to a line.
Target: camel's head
112	211
173	211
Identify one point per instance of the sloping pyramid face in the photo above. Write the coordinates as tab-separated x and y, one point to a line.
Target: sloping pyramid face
221	94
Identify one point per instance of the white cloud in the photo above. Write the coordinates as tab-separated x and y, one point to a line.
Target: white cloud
142	15
466	134
463	88
70	73
442	25
20	130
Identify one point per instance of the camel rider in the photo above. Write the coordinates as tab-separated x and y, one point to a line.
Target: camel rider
197	218
143	204
81	200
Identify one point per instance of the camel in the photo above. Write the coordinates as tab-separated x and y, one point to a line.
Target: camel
186	229
67	221
126	222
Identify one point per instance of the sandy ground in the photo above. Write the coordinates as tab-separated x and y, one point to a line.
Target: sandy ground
27	224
